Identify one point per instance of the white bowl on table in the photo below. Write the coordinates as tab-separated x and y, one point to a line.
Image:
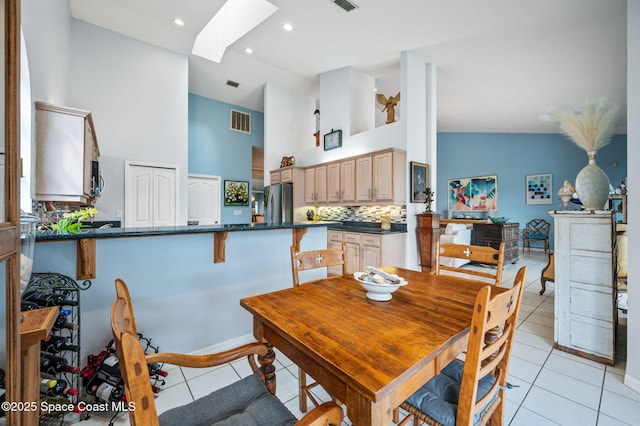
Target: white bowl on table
380	292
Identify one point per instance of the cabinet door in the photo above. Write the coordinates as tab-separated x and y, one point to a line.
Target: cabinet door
150	196
321	184
204	199
275	177
371	256
333	183
363	179
310	185
383	177
348	180
334	240
353	243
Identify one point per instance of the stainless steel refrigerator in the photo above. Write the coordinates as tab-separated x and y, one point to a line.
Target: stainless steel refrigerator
280	203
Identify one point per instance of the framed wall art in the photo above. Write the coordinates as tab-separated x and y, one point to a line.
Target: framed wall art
473	194
236	193
419	182
539	188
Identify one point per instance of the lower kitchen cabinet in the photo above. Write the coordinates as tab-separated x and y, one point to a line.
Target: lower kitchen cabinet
363	249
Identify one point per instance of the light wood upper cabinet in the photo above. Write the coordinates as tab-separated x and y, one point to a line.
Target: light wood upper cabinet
363	178
321	184
310	185
333	183
383	177
348	181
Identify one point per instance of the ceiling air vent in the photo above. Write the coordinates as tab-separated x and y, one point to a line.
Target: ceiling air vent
346	4
240	121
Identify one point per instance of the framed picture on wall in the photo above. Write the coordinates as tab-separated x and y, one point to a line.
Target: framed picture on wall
539	188
419	182
473	194
236	193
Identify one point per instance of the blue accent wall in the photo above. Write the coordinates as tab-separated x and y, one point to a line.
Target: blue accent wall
215	149
513	156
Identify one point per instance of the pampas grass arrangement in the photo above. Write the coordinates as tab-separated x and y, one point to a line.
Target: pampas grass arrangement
590	125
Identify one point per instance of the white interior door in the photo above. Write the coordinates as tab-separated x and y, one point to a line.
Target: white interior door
150	195
204	199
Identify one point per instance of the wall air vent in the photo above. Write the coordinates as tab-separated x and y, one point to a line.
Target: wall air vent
232	83
240	121
346	4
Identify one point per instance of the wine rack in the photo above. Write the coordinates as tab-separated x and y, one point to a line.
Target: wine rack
60	352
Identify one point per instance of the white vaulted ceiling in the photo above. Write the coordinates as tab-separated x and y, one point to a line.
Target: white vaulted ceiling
501	63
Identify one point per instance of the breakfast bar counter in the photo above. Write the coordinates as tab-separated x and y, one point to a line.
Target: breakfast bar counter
185	300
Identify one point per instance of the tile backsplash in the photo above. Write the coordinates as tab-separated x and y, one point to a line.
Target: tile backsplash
362	213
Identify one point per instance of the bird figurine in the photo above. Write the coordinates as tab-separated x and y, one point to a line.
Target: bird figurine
389	105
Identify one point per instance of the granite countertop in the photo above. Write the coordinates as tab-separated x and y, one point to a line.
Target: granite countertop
174	230
368	227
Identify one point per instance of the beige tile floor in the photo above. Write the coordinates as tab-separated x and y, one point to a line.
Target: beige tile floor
553	387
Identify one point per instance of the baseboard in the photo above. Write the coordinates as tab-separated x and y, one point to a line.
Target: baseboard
226	345
632	383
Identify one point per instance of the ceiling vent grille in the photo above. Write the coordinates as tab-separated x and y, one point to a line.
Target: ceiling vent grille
346	5
240	121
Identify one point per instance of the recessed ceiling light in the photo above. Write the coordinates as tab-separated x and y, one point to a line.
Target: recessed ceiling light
288	27
179	22
248	50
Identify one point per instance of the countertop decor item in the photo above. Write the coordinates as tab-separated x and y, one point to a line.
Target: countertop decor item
498	220
565	193
590	126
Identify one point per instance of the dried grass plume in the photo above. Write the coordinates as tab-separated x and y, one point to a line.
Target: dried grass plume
590	125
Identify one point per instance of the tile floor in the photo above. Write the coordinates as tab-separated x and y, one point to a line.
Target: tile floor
553	387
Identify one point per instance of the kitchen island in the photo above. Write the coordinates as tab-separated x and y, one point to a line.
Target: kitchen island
183	299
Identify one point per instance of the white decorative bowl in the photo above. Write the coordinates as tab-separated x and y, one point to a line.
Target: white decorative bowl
375	291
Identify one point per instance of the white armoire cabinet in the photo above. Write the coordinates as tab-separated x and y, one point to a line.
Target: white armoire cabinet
585	291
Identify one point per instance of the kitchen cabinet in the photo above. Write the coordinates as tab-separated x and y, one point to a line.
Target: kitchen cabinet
333	183
380	177
363	249
490	234
364	179
315	185
348	181
66	155
282	175
585	284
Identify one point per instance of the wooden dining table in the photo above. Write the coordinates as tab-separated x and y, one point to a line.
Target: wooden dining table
368	355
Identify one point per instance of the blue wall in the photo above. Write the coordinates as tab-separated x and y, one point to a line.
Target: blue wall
216	150
513	156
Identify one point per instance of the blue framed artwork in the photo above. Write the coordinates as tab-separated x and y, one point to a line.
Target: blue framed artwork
540	188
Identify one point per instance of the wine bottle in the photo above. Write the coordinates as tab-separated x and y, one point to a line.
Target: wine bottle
54	344
154	369
60	388
105	391
110	365
46	384
51	364
46	299
63	321
28	306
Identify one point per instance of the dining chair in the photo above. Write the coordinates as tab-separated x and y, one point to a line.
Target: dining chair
536	230
246	402
473	392
324	258
485	255
301	261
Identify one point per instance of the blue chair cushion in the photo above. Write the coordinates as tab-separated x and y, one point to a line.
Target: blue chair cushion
246	402
438	398
537	236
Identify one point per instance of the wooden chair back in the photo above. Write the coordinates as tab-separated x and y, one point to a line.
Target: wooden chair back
481	254
489	352
312	259
133	364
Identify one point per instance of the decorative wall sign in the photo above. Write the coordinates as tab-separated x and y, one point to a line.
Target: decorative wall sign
473	194
539	188
419	182
236	193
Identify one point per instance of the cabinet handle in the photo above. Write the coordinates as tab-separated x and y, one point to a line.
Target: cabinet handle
369	192
337	195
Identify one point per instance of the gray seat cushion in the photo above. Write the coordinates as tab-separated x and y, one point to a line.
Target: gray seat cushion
438	398
246	402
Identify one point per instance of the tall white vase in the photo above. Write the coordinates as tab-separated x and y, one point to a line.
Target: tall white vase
592	185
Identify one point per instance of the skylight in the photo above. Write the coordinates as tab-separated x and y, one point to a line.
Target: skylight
234	19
